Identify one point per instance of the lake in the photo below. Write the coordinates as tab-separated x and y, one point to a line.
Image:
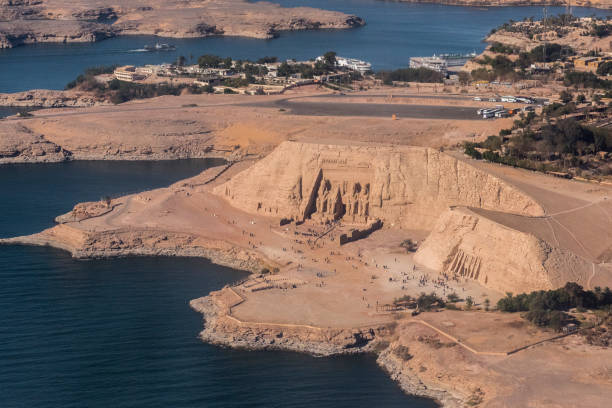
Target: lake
394	32
120	333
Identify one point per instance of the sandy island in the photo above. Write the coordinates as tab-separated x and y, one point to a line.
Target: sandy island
29	22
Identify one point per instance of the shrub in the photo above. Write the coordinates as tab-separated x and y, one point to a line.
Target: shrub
503	48
469	303
409	245
566	97
452	297
428	302
470	149
605	68
586	80
403	352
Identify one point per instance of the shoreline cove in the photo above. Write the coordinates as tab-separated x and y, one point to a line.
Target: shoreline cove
225	257
223	330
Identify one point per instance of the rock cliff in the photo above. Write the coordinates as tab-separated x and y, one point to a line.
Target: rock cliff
407	187
22	145
44	98
468	246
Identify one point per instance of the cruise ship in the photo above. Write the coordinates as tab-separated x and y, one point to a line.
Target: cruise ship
354	64
457	60
443	62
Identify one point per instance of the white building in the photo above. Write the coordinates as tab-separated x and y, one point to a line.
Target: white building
435	63
127	73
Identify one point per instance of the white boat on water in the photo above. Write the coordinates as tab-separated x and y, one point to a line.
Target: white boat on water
160	47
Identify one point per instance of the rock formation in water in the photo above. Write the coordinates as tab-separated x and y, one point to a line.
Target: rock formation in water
35	21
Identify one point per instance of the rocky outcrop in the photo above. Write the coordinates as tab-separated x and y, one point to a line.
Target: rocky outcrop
403	186
133	242
83	211
44	98
28	22
54	139
21	32
20	145
409	381
222	329
469	246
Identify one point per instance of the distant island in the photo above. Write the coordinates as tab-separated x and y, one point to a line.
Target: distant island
60	21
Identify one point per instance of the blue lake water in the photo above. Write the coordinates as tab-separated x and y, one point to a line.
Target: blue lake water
120	333
9	111
394	32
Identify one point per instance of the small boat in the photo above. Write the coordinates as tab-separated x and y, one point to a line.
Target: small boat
160	47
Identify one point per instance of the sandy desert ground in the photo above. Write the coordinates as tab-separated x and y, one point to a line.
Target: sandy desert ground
199	125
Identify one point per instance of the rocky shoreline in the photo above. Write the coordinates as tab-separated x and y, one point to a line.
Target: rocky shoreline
46	98
20	144
118	244
46	152
222	330
411	384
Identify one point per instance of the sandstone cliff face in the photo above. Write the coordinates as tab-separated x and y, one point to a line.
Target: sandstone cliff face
21	32
466	245
408	187
32	21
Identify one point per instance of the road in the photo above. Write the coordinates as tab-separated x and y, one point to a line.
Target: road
299	107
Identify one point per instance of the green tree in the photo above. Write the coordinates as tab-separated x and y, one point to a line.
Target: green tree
284	70
453	297
464	78
605	68
566	97
267	60
469	303
330	58
209	61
